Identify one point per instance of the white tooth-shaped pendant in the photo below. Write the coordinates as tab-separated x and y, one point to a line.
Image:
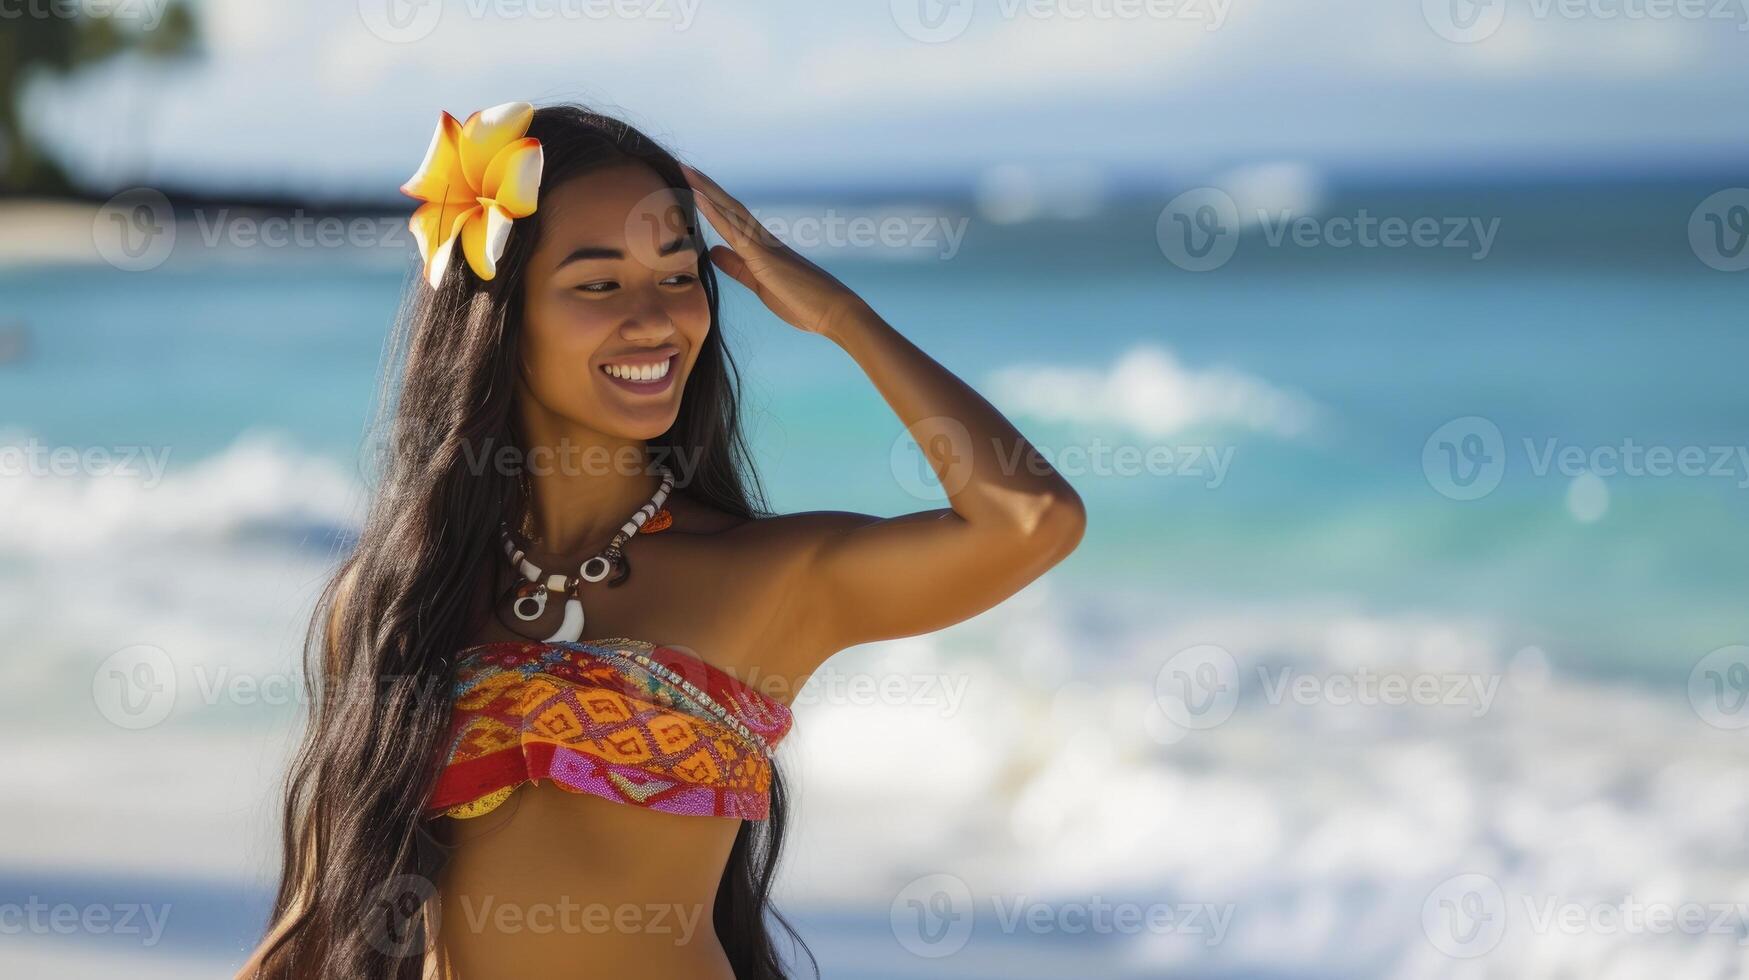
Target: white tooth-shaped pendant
531	607
571	630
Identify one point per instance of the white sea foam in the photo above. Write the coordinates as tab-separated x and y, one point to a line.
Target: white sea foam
216	565
1324	827
1148	391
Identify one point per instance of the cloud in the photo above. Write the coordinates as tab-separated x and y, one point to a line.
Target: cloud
1148	391
308	96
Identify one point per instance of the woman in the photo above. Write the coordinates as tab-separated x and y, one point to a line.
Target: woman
523	759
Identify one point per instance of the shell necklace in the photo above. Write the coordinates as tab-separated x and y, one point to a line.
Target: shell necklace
529	599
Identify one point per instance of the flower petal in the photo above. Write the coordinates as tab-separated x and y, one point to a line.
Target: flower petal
440	178
513	177
435	227
483	238
488	131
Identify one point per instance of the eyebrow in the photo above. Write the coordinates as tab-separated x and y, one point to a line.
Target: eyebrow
601	252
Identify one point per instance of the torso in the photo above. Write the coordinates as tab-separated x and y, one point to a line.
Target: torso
560	884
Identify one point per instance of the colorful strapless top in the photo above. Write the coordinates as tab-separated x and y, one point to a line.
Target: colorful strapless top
627	720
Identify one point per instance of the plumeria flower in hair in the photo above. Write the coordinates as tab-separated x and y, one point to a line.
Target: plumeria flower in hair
478	177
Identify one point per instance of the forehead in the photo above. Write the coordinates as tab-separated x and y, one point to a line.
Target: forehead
615	206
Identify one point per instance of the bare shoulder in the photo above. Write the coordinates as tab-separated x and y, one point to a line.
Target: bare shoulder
774	531
761	570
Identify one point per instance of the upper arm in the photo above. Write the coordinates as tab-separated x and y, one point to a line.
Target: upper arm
860	578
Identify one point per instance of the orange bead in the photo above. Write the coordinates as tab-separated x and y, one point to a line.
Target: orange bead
658	521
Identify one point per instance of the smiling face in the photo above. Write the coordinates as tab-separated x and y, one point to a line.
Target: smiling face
614	314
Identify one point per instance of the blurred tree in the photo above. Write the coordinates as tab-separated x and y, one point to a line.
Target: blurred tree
38	41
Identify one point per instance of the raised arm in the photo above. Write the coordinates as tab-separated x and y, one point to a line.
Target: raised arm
857	578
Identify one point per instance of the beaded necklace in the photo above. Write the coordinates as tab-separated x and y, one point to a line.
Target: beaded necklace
528	600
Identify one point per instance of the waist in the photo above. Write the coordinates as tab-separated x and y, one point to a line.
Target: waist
565	936
554	876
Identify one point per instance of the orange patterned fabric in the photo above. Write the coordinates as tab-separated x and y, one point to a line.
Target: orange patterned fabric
605	717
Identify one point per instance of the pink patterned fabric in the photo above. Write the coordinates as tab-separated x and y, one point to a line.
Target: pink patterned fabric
593	719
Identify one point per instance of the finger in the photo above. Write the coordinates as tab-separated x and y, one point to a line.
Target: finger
736	267
712	194
743	233
702	181
727	260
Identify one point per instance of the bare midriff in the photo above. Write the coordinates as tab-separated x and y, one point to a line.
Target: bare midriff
559	884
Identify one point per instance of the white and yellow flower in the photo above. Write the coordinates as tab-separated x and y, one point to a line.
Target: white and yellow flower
478	177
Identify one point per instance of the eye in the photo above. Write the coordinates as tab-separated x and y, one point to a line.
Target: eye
598	287
680	279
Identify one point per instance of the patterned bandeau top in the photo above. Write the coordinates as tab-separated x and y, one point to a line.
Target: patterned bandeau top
627	720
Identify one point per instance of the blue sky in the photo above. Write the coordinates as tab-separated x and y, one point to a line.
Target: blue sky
340	96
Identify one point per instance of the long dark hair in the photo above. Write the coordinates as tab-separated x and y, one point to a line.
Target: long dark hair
359	861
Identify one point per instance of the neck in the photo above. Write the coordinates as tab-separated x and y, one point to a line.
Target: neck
584	484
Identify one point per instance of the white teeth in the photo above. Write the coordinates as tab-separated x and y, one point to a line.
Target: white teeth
639	372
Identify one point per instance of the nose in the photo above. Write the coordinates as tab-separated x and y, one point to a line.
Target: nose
648	322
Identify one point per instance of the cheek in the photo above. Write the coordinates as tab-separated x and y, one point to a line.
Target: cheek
692	316
559	335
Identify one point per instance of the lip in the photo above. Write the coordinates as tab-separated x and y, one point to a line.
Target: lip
656	387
